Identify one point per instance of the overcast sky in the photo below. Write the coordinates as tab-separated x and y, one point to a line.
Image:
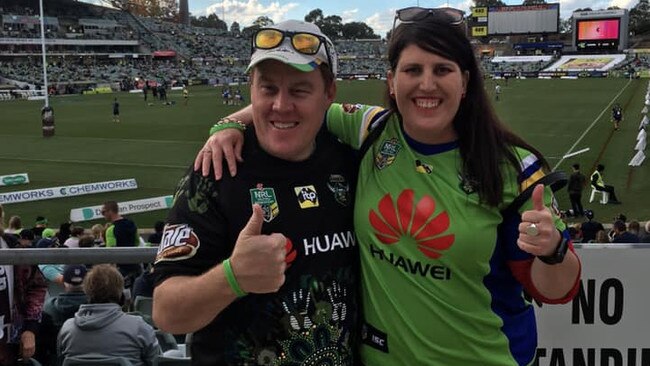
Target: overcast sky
378	14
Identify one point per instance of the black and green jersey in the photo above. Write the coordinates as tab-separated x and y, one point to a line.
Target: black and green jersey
312	319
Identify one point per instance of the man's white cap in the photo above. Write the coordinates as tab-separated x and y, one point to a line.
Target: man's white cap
287	54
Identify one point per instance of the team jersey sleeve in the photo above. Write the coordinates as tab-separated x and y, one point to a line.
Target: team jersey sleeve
520	262
195	236
349	122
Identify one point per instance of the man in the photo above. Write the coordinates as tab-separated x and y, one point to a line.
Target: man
617	116
598	182
22	292
58	309
621	235
497	92
577	182
100	326
254	288
39	226
186	95
116	110
122	232
590	227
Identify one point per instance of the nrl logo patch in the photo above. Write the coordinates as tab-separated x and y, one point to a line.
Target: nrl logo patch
387	153
265	197
340	187
178	242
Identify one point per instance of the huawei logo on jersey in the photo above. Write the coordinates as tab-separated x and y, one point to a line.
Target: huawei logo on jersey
407	218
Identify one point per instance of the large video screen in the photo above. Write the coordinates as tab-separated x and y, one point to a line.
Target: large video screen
523	19
598	29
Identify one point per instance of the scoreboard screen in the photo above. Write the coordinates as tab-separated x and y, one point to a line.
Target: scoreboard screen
598	29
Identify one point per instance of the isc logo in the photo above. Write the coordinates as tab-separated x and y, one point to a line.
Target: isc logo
307	196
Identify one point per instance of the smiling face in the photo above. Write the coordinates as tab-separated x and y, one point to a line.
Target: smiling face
428	90
288	108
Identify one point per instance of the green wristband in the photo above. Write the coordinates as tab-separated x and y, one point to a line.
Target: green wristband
226	123
232	281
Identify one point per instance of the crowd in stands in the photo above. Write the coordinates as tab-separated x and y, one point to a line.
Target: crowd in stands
79	309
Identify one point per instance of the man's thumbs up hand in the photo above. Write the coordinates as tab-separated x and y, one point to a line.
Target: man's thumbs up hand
258	261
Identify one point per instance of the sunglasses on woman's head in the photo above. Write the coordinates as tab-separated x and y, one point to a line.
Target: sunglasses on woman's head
415	14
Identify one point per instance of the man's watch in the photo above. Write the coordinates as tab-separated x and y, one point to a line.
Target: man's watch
557	256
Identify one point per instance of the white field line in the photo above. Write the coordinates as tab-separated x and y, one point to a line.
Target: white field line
90	162
606	109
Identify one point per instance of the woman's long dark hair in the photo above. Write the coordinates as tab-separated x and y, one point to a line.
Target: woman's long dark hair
484	141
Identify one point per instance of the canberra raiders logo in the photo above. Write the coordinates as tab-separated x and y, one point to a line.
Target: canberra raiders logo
387	153
340	188
265	197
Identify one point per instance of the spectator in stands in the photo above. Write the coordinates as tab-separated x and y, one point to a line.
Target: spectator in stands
144	284
48	239
58	309
75	233
86	241
645	238
122	232
98	235
64	232
598	182
21	304
155	238
15	225
590	227
243	255
442	112
40	225
621	235
100	326
577	183
601	238
26	238
116	110
635	228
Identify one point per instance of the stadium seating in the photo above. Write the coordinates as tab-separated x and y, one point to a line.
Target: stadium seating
96	360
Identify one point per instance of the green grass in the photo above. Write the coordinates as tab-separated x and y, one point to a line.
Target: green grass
155	144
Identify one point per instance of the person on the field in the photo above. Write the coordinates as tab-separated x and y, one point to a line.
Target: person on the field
598	182
116	110
577	183
617	116
443	268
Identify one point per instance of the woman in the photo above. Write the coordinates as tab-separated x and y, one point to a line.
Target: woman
22	293
443	264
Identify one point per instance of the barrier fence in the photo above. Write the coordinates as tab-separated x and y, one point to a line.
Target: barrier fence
605	325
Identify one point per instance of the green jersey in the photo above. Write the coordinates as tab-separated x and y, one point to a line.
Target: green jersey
436	265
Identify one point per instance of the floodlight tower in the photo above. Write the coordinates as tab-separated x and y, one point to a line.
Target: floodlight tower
184	12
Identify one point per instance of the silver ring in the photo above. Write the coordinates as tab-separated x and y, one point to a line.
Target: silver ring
532	230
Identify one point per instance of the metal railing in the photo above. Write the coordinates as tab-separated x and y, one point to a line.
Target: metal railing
77	255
